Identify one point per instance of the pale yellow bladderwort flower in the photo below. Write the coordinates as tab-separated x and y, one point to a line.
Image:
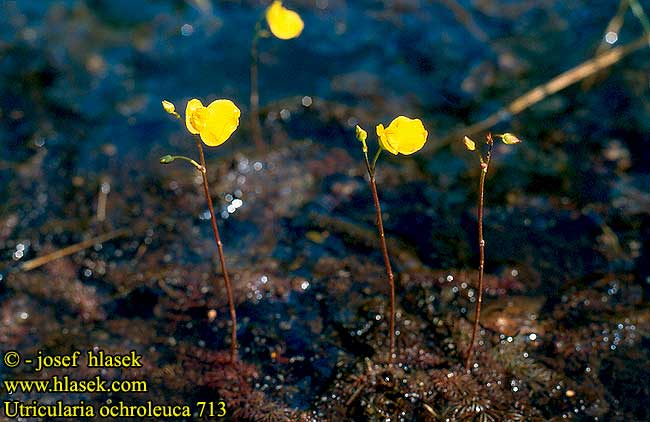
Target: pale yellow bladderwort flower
214	123
283	23
402	136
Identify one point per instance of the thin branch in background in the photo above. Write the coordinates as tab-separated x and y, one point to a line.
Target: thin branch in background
465	18
102	199
613	27
537	94
69	250
256	129
641	16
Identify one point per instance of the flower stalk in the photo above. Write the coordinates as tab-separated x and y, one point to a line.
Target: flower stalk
485	164
403	136
508	139
256	129
212	125
284	24
222	260
384	252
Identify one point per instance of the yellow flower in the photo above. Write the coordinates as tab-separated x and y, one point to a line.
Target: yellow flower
214	123
283	23
403	136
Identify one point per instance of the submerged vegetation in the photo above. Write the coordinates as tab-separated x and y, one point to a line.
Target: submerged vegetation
104	248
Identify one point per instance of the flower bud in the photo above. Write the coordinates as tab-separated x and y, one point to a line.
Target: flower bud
509	138
169	107
362	135
469	144
166	159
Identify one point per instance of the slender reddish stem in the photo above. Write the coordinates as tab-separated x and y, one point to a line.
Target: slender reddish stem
384	251
256	129
481	248
217	239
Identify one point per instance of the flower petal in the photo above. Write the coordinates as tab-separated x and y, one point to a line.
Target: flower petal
383	139
191	120
222	120
404	136
283	23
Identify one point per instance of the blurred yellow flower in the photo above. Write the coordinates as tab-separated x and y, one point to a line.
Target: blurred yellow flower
403	136
509	138
214	123
283	23
469	144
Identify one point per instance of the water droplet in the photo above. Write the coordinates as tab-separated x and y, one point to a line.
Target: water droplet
611	37
187	30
